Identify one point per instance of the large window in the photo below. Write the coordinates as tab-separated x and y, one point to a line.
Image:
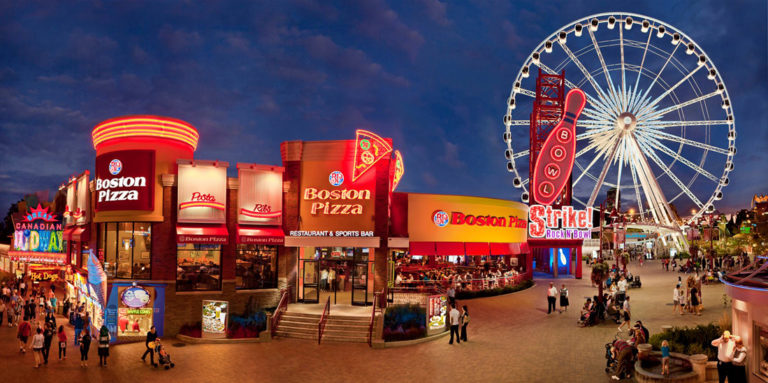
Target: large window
198	267
125	247
256	267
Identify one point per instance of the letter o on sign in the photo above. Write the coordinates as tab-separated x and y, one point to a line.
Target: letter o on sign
557	152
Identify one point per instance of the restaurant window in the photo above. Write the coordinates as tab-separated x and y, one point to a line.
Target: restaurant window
256	267
198	267
126	249
760	334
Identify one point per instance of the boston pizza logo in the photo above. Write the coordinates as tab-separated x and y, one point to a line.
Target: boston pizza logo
440	218
336	178
115	167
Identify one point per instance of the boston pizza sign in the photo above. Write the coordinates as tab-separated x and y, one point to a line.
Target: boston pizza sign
125	180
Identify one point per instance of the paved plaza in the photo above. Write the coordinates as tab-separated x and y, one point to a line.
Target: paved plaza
511	339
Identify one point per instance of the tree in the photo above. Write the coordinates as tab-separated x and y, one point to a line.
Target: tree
6	226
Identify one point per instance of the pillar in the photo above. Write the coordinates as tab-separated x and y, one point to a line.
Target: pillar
579	262
699	363
164	234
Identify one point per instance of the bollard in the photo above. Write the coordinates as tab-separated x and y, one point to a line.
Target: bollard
666	328
644	351
699	362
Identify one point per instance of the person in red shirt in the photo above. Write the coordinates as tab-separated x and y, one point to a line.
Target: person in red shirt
23	334
62	343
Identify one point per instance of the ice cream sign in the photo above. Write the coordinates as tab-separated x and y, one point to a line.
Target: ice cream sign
564	223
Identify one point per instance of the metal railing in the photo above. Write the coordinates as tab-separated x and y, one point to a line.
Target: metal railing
281	308
441	286
323	320
379	304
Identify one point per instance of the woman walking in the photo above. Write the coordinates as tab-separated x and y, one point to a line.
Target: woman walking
103	345
85	345
464	323
62	343
47	340
695	301
563	299
37	347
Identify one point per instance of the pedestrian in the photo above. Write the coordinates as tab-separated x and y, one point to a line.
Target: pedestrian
665	357
62	343
464	323
50	318
37	347
78	327
451	295
454	315
2	309
626	313
563	299
725	348
739	372
23	334
103	345
150	345
646	333
676	300
23	288
85	345
551	297
47	340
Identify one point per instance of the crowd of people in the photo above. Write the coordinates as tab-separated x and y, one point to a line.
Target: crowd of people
460	278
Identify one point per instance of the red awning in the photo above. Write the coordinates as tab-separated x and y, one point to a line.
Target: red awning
81	234
505	248
477	248
214	234
422	248
260	235
524	249
449	248
67	234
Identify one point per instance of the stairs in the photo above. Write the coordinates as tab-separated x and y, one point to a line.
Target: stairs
337	328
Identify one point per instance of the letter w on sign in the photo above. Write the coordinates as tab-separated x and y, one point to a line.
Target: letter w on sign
555	161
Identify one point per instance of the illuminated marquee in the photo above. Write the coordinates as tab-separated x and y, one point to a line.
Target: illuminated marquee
565	223
369	149
441	219
145	127
399	170
38	237
202	191
323	200
202	200
554	163
124	180
260	195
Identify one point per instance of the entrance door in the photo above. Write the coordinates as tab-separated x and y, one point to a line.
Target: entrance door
360	278
310	276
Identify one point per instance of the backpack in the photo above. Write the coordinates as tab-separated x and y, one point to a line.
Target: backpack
466	318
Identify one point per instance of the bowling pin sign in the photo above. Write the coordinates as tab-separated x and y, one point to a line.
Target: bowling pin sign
555	161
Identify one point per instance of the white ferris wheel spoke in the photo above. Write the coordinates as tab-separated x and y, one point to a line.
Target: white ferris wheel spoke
656	200
623	73
602	61
637	190
521	154
669	58
669	124
600	180
658	145
650	153
520	123
681	140
526	92
660	113
642	62
673	87
525	181
621	166
583	69
592	100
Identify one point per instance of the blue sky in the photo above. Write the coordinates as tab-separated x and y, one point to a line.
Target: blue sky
432	75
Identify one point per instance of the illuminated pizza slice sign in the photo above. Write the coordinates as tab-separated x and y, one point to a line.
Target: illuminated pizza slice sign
369	149
399	170
555	161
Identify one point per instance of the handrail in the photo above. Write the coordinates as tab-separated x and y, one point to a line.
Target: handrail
376	303
323	320
281	308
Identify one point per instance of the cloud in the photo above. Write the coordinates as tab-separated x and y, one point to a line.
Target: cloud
436	11
381	23
178	40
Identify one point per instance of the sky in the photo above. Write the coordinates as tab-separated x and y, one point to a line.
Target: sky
432	75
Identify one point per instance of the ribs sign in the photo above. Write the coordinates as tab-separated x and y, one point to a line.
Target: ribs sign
555	160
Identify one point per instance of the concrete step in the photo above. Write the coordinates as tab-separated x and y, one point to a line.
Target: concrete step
289	322
326	337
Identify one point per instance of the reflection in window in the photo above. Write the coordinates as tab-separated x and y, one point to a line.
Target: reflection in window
198	267
256	267
126	249
142	240
761	350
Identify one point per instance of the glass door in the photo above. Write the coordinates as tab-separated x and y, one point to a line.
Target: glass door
360	277
310	288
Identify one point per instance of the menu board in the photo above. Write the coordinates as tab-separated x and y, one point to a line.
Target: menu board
437	309
215	319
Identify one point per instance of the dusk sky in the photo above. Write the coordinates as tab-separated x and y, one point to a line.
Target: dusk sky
432	75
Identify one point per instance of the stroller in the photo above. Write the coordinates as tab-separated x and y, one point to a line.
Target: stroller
163	358
635	282
620	357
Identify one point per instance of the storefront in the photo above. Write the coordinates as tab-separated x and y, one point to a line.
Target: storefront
341	190
556	236
77	218
132	309
475	242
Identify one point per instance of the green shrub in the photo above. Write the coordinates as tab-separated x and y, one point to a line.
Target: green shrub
470	294
689	340
404	322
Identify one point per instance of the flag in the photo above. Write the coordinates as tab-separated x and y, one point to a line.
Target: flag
97	278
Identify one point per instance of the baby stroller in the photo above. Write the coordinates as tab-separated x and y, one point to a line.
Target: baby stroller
163	358
635	282
620	356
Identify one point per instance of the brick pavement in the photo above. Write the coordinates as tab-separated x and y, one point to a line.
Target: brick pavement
512	339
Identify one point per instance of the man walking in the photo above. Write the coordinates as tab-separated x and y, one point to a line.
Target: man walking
551	297
151	337
454	315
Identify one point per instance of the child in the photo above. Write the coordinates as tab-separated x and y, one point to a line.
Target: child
665	358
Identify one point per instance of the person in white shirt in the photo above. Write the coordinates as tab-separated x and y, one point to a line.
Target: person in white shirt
622	285
332	279
551	298
399	279
454	318
676	300
324	279
725	349
37	347
451	295
739	372
626	315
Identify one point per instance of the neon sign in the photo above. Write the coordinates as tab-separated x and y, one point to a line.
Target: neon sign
399	170
554	163
369	149
123	181
202	200
565	223
144	127
38	237
441	219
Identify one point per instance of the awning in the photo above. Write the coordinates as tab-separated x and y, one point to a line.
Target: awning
214	234
422	248
505	248
524	249
260	235
291	241
449	248
81	234
477	248
67	234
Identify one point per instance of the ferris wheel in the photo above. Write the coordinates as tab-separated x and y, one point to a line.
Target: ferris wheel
658	126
